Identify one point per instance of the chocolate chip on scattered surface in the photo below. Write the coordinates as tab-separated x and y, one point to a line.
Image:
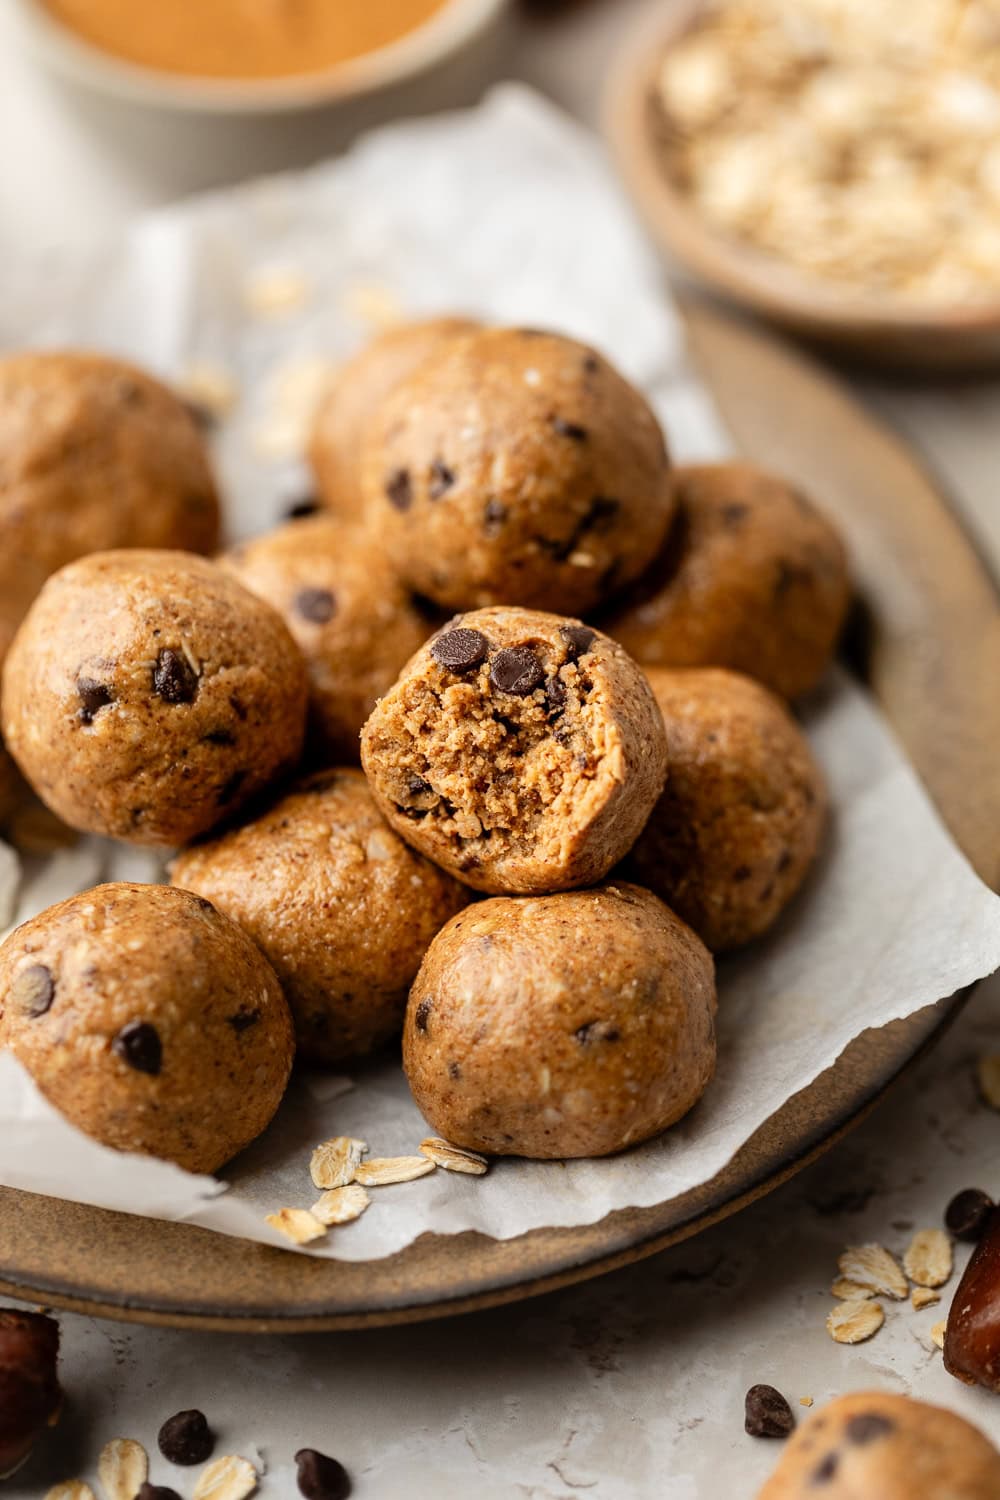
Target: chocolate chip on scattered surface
186	1438
157	1492
968	1214
767	1413
320	1477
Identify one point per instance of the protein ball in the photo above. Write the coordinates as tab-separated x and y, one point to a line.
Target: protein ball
516	467
752	578
354	622
343	909
355	393
149	696
521	751
741	817
149	1020
561	1026
889	1447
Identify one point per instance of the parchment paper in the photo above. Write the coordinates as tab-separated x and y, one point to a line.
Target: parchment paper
511	213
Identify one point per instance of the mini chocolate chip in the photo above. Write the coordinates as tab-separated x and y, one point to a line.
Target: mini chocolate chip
442	479
460	650
205	905
174	679
315	605
186	1438
733	514
968	1213
824	1470
591	364
569	429
741	873
516	670
231	787
866	1427
238	707
494	515
597	1031
422	1014
149	1491
321	1478
139	1045
93	697
784	860
454	1071
33	991
555	695
299	510
219	737
399	490
578	640
243	1020
767	1413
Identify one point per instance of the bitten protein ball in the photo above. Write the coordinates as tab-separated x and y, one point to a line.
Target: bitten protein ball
752	578
152	1022
354	622
148	696
521	751
516	467
96	454
886	1448
559	1026
342	908
355	392
741	816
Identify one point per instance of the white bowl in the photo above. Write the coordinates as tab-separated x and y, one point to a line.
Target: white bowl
450	29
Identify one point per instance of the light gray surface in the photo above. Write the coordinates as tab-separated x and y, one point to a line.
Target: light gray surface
631	1386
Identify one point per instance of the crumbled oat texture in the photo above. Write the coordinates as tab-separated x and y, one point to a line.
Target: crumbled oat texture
853	1322
122	1469
874	1267
353	395
453	1158
71	1489
521	751
752	577
228	1478
299	1225
739	822
849	1291
334	1162
339	904
988	1078
858	144
341	1205
561	1026
350	616
928	1260
381	1171
517	467
149	696
152	1022
938	1332
923	1296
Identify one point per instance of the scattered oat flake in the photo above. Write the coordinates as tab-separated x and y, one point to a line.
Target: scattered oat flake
210	386
937	1333
383	1170
334	1162
872	1266
853	1322
71	1489
277	290
850	1291
443	1154
928	1260
805	1401
923	1296
297	1224
122	1469
341	1204
228	1478
988	1075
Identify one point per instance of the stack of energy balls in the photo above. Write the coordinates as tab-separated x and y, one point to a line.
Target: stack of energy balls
564	663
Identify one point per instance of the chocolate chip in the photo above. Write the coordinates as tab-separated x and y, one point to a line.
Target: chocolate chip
186	1438
866	1427
578	640
219	737
454	1071
174	678
569	429
600	1031
243	1020
238	707
33	991
299	510
422	1014
766	1413
315	605
418	787
591	364
93	697
741	873
442	479
494	515
824	1470
399	490
733	514
201	414
149	1491
460	650
968	1212
602	508
516	670
321	1478
230	788
555	696
139	1045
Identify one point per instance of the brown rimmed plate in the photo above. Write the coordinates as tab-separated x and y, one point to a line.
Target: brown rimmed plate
931	645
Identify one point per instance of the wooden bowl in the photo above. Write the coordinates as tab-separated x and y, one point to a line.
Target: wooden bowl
865	327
